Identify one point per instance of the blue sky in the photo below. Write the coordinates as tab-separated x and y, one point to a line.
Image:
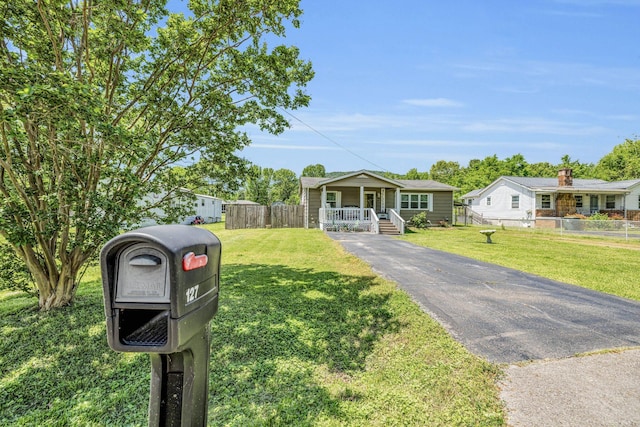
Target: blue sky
403	84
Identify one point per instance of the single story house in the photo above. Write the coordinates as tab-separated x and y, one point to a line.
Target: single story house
363	200
526	198
208	207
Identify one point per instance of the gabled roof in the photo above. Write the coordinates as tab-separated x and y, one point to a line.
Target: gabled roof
407	184
425	184
472	194
534	183
551	185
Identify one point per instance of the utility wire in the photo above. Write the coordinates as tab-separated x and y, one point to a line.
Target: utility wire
334	142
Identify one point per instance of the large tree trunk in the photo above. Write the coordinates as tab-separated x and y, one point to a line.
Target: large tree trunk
57	297
56	285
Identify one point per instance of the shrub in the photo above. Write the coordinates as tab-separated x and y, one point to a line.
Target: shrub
14	274
420	220
597	216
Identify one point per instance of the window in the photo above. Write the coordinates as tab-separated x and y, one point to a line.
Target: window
515	202
332	199
578	201
545	201
415	201
639	202
610	202
489	201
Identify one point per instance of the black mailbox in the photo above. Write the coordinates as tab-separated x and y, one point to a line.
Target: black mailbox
160	291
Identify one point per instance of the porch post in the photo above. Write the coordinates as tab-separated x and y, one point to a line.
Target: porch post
383	201
323	198
398	200
361	203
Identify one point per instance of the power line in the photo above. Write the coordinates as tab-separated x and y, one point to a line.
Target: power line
334	142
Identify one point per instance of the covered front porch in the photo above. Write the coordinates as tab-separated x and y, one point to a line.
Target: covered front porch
361	219
611	203
361	203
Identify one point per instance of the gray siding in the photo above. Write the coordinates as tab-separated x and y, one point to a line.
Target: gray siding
315	197
350	196
442	207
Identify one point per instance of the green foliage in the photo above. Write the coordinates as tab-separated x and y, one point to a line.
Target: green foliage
420	220
14	274
266	186
622	163
95	108
598	216
414	174
481	173
316	170
445	171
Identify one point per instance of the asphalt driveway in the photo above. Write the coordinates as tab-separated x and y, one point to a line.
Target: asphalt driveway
507	316
501	314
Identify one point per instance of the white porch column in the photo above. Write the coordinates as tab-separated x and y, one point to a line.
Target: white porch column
361	203
323	198
398	200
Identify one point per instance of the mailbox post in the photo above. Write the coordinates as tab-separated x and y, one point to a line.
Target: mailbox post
161	287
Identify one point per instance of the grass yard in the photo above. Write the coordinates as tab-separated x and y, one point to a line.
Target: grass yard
306	335
604	264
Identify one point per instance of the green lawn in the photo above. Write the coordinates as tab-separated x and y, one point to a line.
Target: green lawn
604	264
305	335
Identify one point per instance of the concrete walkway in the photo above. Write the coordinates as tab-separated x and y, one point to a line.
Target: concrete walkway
510	317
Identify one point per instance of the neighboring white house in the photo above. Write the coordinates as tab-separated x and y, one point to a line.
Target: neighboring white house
208	207
525	198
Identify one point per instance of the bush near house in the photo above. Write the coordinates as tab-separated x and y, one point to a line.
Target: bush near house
420	220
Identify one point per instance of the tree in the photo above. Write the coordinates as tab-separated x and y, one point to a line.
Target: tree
445	172
99	99
316	170
285	187
480	173
414	174
542	169
257	188
622	163
515	165
580	170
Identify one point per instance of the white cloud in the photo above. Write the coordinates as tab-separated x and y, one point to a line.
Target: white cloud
433	102
532	125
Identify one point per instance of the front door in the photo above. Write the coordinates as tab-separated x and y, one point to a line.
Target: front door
370	200
593	204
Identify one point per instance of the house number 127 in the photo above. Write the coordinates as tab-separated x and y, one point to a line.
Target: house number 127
192	293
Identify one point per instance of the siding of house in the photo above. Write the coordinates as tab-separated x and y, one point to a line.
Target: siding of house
315	197
442	206
501	194
632	203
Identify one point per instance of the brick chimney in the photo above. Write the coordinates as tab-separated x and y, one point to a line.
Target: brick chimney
565	177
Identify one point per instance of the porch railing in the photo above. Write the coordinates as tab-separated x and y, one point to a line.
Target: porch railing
396	220
348	219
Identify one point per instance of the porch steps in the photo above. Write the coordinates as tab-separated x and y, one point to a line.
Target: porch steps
386	227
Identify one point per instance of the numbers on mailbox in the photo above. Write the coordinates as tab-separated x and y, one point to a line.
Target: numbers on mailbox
192	293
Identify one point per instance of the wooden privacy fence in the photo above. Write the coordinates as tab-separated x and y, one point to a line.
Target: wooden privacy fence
253	216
